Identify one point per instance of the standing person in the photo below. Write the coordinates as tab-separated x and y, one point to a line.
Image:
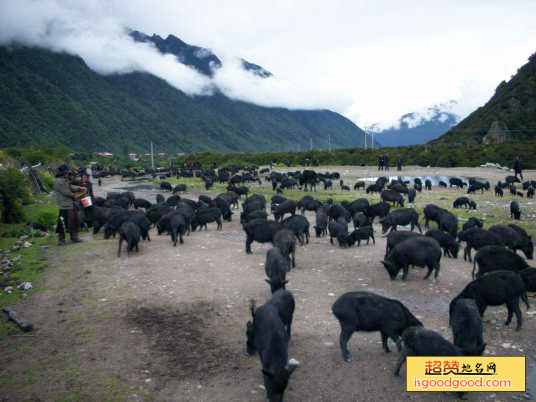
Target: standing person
385	162
399	163
380	162
518	168
65	198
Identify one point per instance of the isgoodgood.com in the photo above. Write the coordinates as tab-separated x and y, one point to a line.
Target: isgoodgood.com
455	383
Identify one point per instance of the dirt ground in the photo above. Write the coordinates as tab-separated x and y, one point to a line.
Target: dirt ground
168	323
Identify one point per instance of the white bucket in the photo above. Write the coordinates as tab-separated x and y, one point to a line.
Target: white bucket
86	202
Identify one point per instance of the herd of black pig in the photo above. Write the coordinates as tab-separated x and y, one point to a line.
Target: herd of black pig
503	276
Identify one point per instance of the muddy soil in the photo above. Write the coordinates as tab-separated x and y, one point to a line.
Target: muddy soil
168	323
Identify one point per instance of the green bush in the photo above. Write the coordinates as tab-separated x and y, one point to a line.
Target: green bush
14	192
47	218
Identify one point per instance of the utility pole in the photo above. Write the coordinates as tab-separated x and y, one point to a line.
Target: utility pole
366	138
152	156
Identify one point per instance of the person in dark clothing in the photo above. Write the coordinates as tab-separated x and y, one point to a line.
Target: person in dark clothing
380	162
518	168
399	163
385	162
65	198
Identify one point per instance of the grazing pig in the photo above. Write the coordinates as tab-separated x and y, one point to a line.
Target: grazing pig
285	240
447	242
299	225
392	196
160	199
418	341
366	311
260	230
412	193
266	334
530	192
156	212
393	238
428	184
344	187
339	231
130	233
166	186
375	188
448	222
257	214
494	289
380	210
276	268
476	238
462	202
515	210
286	207
457	182
359	184
417	251
496	258
466	326
472	222
442	184
225	208
203	216
283	300
515	240
115	220
143	223
179	188
498	191
360	219
337	211
529	278
359	205
402	216
432	213
361	233
177	228
321	223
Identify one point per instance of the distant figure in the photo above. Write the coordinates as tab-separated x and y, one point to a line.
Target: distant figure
385	162
99	182
399	163
380	162
518	168
65	198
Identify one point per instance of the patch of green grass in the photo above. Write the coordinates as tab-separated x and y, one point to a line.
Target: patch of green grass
28	268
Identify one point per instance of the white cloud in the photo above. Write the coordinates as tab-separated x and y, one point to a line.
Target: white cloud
371	61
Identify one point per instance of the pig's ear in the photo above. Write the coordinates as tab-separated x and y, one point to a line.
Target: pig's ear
267	373
285	282
268	281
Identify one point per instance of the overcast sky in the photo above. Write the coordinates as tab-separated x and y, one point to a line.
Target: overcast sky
372	61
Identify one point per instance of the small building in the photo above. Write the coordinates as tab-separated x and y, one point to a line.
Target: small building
105	154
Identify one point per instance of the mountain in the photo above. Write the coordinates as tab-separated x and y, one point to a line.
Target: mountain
49	98
509	116
418	127
200	58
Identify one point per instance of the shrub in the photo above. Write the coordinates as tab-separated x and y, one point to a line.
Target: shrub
47	218
14	191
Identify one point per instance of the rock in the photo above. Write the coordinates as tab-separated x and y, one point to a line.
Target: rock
506	345
27	244
25	286
8	289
